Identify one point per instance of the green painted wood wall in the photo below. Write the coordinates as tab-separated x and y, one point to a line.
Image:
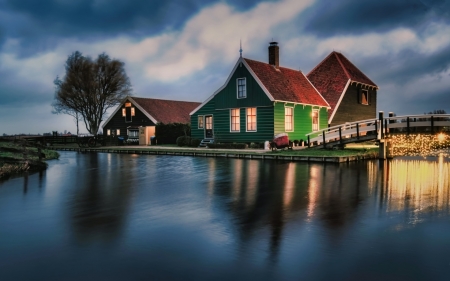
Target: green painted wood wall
302	119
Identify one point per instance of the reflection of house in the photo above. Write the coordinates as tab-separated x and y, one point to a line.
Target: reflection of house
350	93
135	112
259	100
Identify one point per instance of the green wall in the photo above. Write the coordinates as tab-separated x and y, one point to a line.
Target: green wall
302	119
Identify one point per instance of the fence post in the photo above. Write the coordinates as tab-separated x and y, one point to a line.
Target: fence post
340	135
432	125
381	118
357	131
391	114
309	142
407	125
323	137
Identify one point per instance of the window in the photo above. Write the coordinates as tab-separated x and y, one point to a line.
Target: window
128	104
118	132
124	112
133	133
132	111
108	132
315	120
235	120
251	119
288	119
200	121
364	97
241	89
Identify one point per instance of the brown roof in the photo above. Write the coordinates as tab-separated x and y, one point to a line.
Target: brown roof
167	111
332	74
286	84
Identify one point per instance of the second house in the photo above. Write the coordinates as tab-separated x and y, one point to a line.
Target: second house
258	101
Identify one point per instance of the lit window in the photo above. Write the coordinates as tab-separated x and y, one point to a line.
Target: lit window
128	104
108	132
200	121
132	111
118	132
133	133
235	120
288	119
315	120
364	97
241	89
124	112
251	119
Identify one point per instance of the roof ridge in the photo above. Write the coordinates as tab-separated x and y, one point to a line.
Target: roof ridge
342	65
162	99
320	63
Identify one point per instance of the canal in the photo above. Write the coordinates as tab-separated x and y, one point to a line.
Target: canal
101	216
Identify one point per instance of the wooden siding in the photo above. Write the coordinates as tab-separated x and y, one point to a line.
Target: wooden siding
227	97
351	109
118	121
207	109
302	120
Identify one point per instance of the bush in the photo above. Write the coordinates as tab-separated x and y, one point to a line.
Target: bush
183	141
195	142
168	133
296	143
228	145
256	145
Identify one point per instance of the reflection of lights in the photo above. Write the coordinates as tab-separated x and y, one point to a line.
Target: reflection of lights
441	137
313	190
252	182
289	185
421	186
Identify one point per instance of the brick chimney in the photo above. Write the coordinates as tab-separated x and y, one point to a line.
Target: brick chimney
274	54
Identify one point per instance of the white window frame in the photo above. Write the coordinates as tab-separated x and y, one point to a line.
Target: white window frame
361	96
292	119
200	122
247	119
237	129
245	88
133	130
318	120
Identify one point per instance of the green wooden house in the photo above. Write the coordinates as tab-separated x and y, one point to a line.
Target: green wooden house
258	101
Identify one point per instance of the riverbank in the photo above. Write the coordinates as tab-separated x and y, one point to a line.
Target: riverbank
17	157
352	153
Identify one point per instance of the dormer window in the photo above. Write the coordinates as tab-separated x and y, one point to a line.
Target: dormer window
241	88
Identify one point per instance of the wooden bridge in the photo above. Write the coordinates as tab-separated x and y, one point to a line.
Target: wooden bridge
378	129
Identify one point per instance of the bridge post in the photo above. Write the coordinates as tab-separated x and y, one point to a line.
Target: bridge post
432	125
357	131
340	135
407	125
381	118
391	114
382	150
309	142
323	137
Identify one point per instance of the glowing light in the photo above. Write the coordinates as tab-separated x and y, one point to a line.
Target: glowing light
419	145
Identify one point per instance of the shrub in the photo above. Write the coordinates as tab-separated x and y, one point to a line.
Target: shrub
296	142
256	145
195	142
168	133
183	141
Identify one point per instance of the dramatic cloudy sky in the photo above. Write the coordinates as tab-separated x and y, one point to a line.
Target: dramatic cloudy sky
185	49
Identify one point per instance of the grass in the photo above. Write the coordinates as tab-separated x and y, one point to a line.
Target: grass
328	153
18	157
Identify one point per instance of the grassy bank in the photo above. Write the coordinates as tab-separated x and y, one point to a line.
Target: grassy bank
17	157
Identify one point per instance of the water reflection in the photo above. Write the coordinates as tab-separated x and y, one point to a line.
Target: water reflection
100	202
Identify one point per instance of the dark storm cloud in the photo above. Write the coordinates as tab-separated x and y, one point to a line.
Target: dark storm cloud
328	18
407	66
40	24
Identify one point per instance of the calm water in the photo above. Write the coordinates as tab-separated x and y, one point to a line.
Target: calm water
130	217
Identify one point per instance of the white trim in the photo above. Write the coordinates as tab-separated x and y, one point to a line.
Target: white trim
292	118
212	126
339	101
136	105
316	90
256	120
237	87
231	120
368	98
258	81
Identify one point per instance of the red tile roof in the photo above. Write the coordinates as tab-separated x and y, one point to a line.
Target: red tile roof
332	74
286	84
167	111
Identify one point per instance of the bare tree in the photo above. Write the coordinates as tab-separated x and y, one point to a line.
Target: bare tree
90	88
